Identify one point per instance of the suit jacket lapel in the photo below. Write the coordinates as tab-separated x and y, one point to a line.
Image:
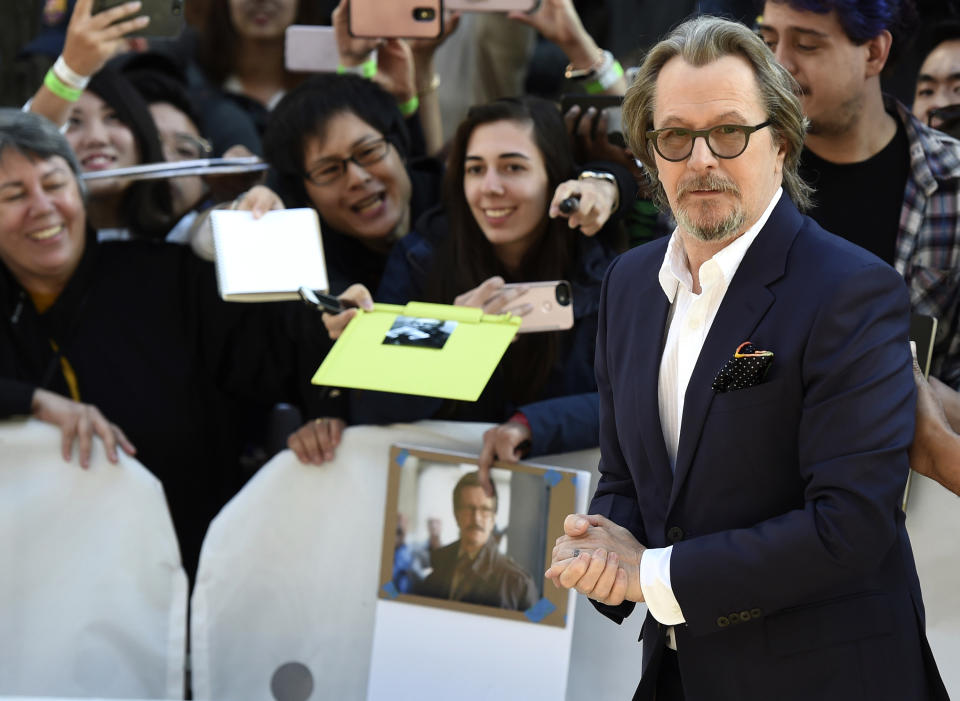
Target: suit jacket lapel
648	369
744	305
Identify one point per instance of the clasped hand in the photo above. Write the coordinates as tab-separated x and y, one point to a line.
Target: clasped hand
599	559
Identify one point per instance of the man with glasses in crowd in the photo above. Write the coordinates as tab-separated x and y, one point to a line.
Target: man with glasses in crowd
756	411
471	569
884	179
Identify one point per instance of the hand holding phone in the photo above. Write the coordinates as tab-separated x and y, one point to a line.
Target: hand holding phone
93	39
541	306
166	16
550	305
399	19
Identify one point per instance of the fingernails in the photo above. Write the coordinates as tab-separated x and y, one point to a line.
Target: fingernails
579	522
600	554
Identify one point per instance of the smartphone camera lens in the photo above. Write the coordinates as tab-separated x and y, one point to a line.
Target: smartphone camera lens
563	294
424	14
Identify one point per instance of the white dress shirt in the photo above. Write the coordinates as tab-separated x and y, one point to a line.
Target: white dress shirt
688	323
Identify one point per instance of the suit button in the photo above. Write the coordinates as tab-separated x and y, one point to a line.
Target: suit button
744	616
734	618
675	534
723	622
755	613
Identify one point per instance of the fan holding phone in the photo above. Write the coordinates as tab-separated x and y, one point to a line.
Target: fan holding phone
510	164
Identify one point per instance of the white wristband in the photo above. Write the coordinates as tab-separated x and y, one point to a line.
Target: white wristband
70	77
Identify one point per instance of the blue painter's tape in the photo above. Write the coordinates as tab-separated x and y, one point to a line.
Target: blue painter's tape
391	590
540	610
402	457
552	477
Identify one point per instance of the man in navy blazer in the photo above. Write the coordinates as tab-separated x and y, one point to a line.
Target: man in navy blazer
749	493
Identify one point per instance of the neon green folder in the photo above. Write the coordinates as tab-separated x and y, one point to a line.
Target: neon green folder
459	370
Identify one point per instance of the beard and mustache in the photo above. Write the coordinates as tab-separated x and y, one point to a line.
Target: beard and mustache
705	220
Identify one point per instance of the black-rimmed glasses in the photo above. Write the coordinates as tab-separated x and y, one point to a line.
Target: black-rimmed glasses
724	140
328	170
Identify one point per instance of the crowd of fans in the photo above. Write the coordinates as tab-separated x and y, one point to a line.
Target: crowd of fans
111	324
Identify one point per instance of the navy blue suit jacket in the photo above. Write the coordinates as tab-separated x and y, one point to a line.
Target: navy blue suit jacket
791	562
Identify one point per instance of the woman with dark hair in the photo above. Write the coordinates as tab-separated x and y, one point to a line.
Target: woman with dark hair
338	143
510	165
110	127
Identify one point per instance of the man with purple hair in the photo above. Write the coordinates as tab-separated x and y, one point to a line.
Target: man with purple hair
883	179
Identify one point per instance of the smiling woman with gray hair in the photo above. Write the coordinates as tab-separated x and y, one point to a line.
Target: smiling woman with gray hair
134	330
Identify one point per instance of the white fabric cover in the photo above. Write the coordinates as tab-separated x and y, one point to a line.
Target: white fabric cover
289	569
92	594
933	522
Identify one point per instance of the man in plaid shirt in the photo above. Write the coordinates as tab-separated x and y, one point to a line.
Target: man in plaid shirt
884	180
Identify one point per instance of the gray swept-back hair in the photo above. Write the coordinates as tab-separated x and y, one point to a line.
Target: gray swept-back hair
699	42
36	136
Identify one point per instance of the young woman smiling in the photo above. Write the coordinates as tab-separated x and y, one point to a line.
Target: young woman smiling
510	165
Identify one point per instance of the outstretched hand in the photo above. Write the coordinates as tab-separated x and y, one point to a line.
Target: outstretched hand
356	295
597	200
504	443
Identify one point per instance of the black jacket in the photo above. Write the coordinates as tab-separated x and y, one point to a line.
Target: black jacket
156	350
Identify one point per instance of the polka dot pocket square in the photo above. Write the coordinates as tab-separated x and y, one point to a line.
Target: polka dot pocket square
747	368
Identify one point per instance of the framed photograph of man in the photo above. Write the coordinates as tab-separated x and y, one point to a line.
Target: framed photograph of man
449	542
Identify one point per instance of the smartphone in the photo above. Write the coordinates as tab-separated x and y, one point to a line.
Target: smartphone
527	6
610	103
551	302
402	19
310	48
166	16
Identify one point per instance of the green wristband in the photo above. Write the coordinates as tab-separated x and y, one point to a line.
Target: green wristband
61	89
367	69
602	82
410	106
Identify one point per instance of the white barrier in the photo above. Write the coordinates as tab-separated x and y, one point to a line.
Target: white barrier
92	595
288	581
933	521
73	623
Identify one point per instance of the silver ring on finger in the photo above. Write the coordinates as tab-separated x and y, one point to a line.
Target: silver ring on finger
576	552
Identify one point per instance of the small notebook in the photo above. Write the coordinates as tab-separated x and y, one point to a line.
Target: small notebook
270	258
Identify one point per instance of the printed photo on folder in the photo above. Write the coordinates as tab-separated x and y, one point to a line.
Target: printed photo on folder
267	259
433	350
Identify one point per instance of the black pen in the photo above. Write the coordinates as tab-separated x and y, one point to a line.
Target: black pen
325	302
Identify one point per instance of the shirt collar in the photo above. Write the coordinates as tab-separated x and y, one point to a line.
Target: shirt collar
675	270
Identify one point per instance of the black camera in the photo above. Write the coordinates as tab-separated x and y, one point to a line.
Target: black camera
563	293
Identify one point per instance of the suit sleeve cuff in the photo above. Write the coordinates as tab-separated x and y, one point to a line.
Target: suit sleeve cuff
656	588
